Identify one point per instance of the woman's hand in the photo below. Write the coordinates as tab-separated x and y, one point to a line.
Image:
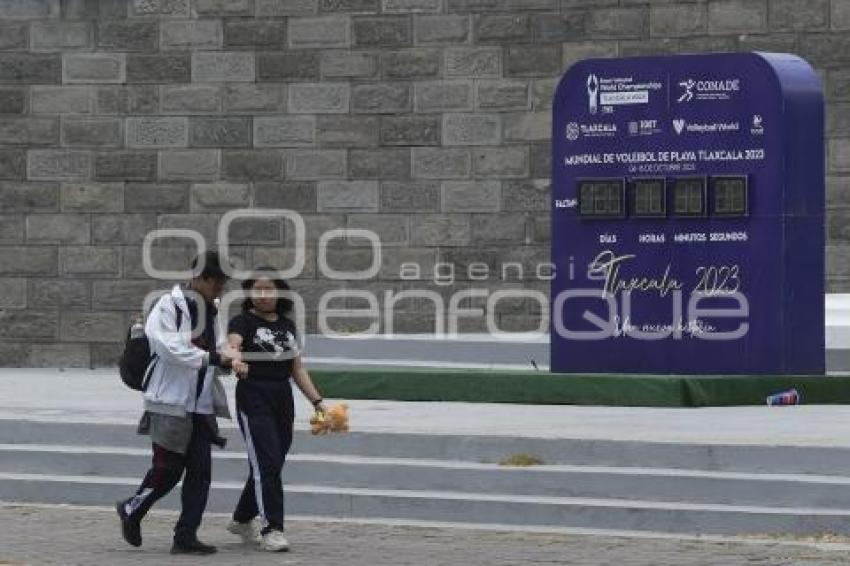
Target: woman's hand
240	368
320	407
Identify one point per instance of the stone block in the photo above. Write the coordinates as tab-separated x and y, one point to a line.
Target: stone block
62	100
190	99
443	96
678	20
319	98
191	34
391	229
162	8
410	196
58	164
126	166
132	99
471	196
220	196
154	197
13	293
59	36
284	131
90	261
220	132
414	129
502	94
412	6
30	68
382	163
574	52
302	65
28	324
28	260
255	34
568	26
58	228
91	132
89	196
383	31
221	66
307	164
122	229
13	36
505	228
246	165
348	64
347	131
541	160
473	61
13	163
189	164
440	230
27	9
349	6
83	68
286	7
157	132
62	293
127	35
291	195
159	68
529	194
501	162
254	98
13	100
472	129
30	131
441	163
11	229
527	126
28	197
441	30
224	7
502	29
737	16
533	60
381	98
96	326
335	196
324	32
411	63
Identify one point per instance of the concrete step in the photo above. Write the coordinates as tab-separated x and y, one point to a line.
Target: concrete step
625	483
482	449
608	513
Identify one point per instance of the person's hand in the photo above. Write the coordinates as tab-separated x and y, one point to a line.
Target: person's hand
240	368
230	355
320	408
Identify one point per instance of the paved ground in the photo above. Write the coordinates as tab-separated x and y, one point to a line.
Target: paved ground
99	396
42	536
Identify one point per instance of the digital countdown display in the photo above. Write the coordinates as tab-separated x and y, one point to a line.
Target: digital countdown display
601	198
650	198
688	216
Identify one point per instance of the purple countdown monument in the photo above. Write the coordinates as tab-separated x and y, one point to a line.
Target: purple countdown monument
688	216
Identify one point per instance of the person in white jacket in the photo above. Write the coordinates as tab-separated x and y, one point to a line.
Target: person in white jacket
182	400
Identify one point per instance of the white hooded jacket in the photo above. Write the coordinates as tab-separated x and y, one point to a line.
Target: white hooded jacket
174	371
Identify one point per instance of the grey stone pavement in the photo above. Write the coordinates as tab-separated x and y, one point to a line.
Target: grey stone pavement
71	536
98	396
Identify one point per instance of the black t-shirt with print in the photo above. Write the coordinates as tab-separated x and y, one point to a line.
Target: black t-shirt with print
275	339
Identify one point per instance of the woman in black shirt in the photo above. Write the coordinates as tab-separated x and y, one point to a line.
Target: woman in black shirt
265	335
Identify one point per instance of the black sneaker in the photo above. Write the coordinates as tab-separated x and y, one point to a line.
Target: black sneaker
192	547
131	530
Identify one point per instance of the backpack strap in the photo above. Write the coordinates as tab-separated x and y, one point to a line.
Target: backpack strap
178	314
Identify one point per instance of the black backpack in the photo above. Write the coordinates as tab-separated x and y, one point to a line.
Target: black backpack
137	362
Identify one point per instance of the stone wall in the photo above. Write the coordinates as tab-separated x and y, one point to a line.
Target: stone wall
426	121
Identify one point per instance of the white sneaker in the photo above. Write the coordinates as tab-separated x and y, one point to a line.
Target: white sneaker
274	541
250	531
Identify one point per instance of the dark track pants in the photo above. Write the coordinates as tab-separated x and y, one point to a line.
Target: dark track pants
165	473
266	412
